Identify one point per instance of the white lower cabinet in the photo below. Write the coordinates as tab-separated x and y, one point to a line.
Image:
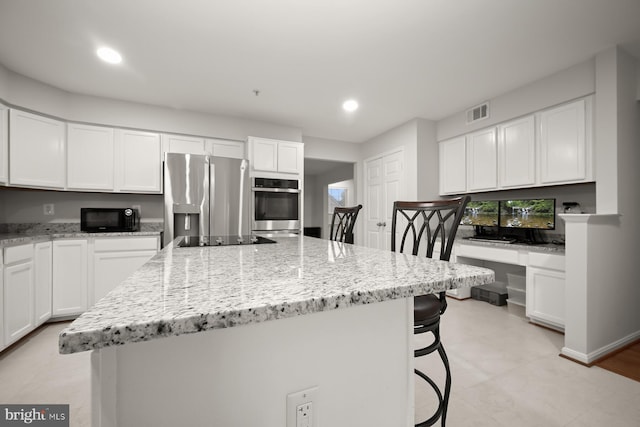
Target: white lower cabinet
70	284
546	290
42	281
115	259
18	292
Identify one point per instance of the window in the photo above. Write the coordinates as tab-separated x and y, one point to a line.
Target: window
338	197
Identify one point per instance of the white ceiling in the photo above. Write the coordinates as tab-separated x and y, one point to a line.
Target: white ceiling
400	58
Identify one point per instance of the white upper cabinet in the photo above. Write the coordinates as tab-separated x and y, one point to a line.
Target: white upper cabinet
264	154
90	157
550	147
225	148
183	144
290	157
517	153
36	150
4	144
453	166
565	148
138	161
270	155
482	160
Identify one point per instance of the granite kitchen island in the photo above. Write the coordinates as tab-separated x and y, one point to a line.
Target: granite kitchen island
220	335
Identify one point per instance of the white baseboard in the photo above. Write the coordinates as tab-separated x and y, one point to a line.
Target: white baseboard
602	351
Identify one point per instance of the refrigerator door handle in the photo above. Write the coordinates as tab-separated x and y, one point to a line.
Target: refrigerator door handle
212	198
243	172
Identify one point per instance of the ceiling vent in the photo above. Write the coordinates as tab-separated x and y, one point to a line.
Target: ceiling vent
479	112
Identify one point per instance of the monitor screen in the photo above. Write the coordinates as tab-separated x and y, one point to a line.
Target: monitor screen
528	213
481	213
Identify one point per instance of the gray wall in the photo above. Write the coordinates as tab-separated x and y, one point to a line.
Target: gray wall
427	161
25	206
25	93
572	83
29	94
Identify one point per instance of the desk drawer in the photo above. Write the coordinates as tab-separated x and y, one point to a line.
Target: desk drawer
549	261
488	253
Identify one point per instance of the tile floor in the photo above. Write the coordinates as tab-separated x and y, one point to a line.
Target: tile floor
506	372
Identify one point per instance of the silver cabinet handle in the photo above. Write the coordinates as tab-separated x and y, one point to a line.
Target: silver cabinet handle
381	224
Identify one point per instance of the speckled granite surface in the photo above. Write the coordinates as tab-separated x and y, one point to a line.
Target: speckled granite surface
187	290
13	234
545	247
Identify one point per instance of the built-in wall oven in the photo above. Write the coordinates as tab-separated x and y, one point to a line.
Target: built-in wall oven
276	205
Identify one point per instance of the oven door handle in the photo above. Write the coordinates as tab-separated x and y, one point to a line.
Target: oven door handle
275	190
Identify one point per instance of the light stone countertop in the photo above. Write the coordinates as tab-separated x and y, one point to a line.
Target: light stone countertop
188	290
17	234
543	247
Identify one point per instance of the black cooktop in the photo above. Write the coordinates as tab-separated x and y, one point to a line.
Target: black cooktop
195	241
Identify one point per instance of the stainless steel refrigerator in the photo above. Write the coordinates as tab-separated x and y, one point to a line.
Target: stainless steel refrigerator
206	196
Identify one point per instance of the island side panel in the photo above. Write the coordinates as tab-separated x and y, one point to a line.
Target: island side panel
360	358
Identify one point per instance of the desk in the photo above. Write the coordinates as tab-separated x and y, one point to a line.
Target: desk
221	335
543	266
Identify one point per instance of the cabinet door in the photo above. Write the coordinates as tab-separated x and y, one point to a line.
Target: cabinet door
112	268
563	144
546	296
43	282
18	301
36	150
4	145
90	157
69	277
222	148
264	154
183	144
139	161
290	157
516	153
453	166
482	150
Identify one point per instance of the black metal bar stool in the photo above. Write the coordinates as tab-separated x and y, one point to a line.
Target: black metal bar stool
433	224
342	223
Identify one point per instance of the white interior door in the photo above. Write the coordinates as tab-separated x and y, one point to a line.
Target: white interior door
373	203
384	185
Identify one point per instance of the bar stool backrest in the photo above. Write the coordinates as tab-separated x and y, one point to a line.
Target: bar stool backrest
343	222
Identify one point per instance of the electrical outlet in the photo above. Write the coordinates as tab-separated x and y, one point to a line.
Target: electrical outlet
304	415
302	408
48	209
138	208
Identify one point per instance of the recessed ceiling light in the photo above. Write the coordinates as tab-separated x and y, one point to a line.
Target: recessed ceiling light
109	55
350	105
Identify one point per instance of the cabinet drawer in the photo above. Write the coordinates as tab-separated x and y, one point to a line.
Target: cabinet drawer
18	253
550	261
126	244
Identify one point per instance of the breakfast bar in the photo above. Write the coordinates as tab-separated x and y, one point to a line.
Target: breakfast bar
221	335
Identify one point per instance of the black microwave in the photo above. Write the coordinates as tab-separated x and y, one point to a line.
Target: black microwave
106	220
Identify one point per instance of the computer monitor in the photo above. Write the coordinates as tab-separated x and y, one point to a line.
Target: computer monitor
481	213
534	214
